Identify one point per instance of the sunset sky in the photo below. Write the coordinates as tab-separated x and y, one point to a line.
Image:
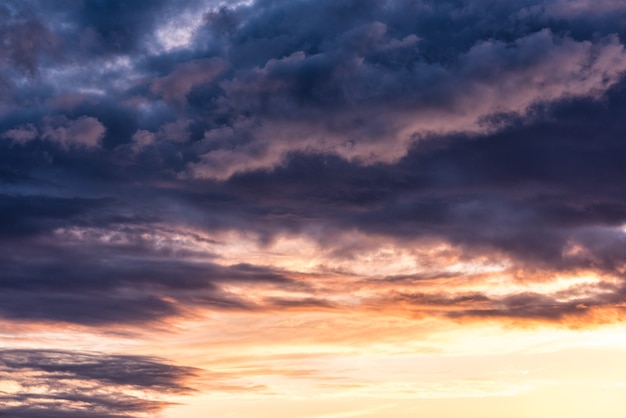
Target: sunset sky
312	208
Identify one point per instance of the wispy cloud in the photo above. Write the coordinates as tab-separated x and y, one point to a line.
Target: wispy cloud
37	383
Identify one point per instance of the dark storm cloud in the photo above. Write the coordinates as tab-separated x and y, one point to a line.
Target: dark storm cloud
25	39
115	26
117	276
68	384
25	215
336	76
494	126
136	135
528	190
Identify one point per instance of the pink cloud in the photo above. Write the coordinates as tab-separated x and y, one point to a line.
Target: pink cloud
175	86
491	78
22	134
85	132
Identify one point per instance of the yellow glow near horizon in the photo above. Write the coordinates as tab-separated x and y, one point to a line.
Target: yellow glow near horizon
365	327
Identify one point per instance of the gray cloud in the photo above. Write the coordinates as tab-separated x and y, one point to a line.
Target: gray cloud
134	136
175	86
82	132
68	384
493	126
25	39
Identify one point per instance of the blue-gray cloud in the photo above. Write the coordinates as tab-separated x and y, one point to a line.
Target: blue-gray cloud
493	126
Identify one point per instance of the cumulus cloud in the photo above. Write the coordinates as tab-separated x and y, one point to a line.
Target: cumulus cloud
266	80
85	131
340	88
142	139
337	102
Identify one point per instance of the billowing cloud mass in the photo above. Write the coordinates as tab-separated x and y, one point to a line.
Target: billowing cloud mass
276	190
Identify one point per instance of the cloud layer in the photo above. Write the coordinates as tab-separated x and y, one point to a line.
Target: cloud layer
128	161
166	161
60	384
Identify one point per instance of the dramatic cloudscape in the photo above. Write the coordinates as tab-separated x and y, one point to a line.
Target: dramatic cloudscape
312	208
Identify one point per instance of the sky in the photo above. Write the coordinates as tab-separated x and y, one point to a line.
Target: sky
312	208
